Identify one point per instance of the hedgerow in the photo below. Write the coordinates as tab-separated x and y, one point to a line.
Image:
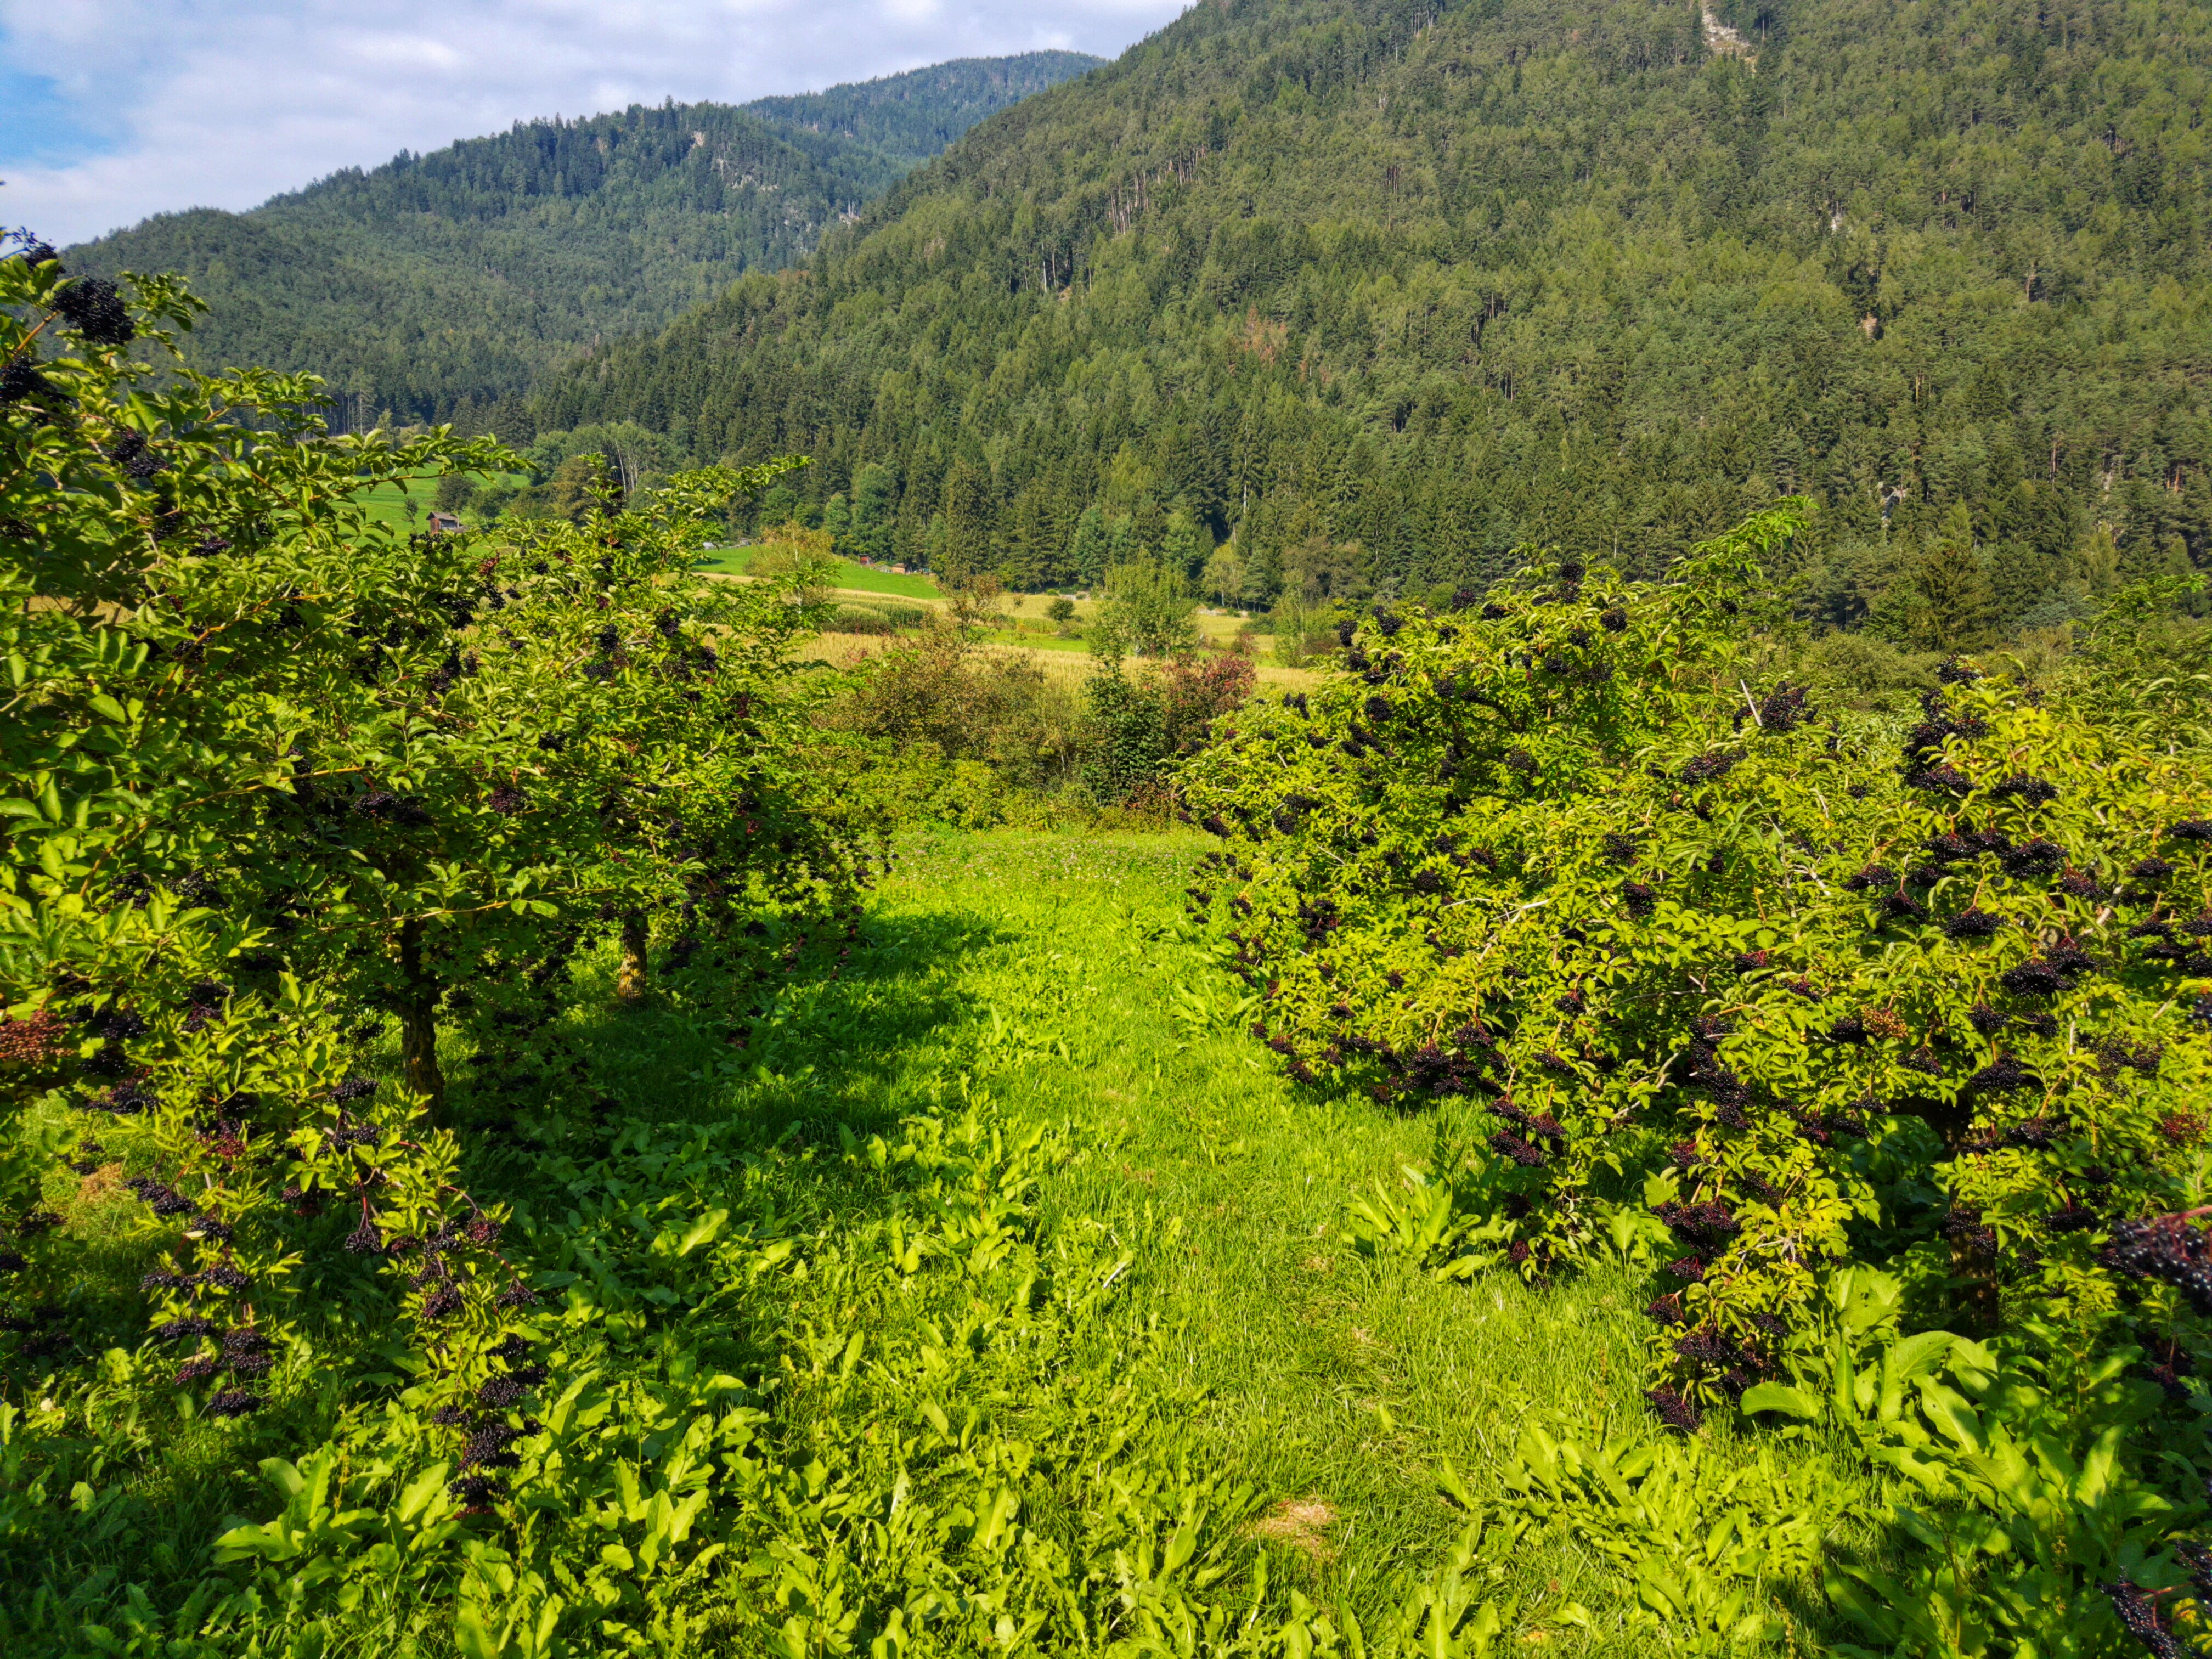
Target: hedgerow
1751	990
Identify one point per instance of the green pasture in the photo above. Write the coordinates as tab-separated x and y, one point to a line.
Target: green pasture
387	504
849	576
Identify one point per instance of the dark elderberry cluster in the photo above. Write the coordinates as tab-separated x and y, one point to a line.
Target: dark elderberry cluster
1923	1059
2033	857
2169	1362
387	808
1318	918
490	1445
1708	768
1973	922
2185	955
451	671
96	310
248	1352
1704	1227
1707	1076
137	459
1944	778
2139	1616
1781	710
1522	1148
1674	1410
2167	1248
1964	1227
2036	792
1433	1072
165	1200
1709	1347
2116	1055
2054	971
1924	744
19	379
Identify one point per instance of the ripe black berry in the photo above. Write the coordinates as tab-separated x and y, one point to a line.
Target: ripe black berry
96	310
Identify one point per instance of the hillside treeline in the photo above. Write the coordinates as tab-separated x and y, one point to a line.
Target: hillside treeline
1377	291
435	288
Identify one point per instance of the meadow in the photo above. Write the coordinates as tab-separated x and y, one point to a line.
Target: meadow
387	504
847	576
1008	1211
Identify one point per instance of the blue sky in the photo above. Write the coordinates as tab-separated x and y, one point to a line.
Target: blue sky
40	124
111	110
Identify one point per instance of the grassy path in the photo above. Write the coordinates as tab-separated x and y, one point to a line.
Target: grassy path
1334	1383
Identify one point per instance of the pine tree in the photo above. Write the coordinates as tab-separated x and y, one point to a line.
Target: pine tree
1954	607
968	521
1088	554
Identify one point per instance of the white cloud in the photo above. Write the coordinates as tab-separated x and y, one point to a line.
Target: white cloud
167	104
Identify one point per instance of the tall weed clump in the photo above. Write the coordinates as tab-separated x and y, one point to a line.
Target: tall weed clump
1752	992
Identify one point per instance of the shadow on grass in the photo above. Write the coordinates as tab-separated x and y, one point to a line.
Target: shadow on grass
763	1060
856	1052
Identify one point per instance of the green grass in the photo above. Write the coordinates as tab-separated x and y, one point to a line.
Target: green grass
849	576
387	502
1325	1375
1009	1209
1034	642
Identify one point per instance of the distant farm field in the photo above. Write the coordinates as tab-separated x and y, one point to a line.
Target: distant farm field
387	503
850	577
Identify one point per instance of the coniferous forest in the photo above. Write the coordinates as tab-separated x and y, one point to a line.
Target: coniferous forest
1378	291
436	288
572	1090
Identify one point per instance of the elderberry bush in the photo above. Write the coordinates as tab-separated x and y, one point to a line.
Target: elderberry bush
1756	965
297	787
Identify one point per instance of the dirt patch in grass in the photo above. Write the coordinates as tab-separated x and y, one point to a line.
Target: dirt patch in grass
1302	1524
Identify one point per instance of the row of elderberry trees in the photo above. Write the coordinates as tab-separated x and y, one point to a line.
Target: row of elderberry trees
1778	985
277	785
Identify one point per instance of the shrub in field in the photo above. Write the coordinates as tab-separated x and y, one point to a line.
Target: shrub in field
1139	724
270	777
940	691
1740	988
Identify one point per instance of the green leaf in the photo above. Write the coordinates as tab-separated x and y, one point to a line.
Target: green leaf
1779	1397
707	1229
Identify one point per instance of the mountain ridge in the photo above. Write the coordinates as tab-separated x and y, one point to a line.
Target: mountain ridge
437	285
1375	291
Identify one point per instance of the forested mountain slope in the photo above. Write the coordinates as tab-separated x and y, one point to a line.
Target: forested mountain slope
910	117
1381	287
436	287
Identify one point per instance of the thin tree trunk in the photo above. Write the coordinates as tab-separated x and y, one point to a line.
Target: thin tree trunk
418	1021
629	981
